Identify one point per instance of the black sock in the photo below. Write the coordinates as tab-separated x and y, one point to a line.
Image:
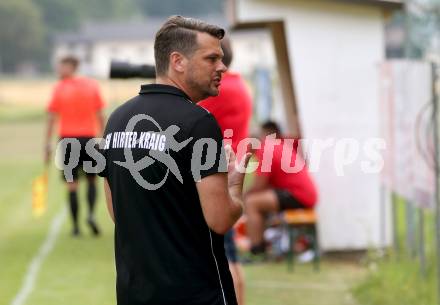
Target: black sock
73	201
91	198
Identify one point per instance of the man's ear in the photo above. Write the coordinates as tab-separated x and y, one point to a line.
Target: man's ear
178	62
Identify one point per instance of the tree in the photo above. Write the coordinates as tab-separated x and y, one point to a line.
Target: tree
27	26
422	24
105	9
178	7
58	15
68	15
22	32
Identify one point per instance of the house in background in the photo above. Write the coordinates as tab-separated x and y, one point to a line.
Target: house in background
327	58
96	44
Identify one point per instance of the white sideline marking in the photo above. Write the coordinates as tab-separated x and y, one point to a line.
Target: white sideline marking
38	259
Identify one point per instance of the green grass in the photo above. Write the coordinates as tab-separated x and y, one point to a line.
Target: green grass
271	284
81	271
27	113
397	279
397	282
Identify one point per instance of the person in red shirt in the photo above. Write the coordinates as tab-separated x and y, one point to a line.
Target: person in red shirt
232	109
282	182
76	105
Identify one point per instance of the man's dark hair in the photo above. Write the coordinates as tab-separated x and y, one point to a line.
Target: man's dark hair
272	127
227	51
180	34
70	60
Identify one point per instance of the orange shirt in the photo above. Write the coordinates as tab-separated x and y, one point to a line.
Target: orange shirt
76	101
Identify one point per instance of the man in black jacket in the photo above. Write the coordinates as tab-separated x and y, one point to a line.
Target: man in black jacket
171	187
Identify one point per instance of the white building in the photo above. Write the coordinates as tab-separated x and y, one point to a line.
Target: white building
96	44
327	55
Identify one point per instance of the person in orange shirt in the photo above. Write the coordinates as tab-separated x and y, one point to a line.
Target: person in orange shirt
76	105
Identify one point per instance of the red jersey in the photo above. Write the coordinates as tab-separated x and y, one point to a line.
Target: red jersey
287	170
76	100
232	108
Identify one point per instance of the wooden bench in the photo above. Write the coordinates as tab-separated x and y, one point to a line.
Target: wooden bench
296	222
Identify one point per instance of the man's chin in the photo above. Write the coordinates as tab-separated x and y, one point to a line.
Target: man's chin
214	92
210	92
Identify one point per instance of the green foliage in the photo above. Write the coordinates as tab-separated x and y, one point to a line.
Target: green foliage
397	279
21	34
58	15
105	9
67	15
397	282
27	26
422	22
186	8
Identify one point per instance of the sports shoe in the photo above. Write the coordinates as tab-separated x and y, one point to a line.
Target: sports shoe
93	226
76	232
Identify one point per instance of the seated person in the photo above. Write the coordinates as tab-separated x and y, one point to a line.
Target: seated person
273	188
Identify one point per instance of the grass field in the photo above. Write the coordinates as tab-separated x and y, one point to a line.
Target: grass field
399	274
38	91
81	271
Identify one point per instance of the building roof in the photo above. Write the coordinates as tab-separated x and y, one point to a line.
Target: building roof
388	4
131	30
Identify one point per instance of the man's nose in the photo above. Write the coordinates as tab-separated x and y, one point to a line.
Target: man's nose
221	67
